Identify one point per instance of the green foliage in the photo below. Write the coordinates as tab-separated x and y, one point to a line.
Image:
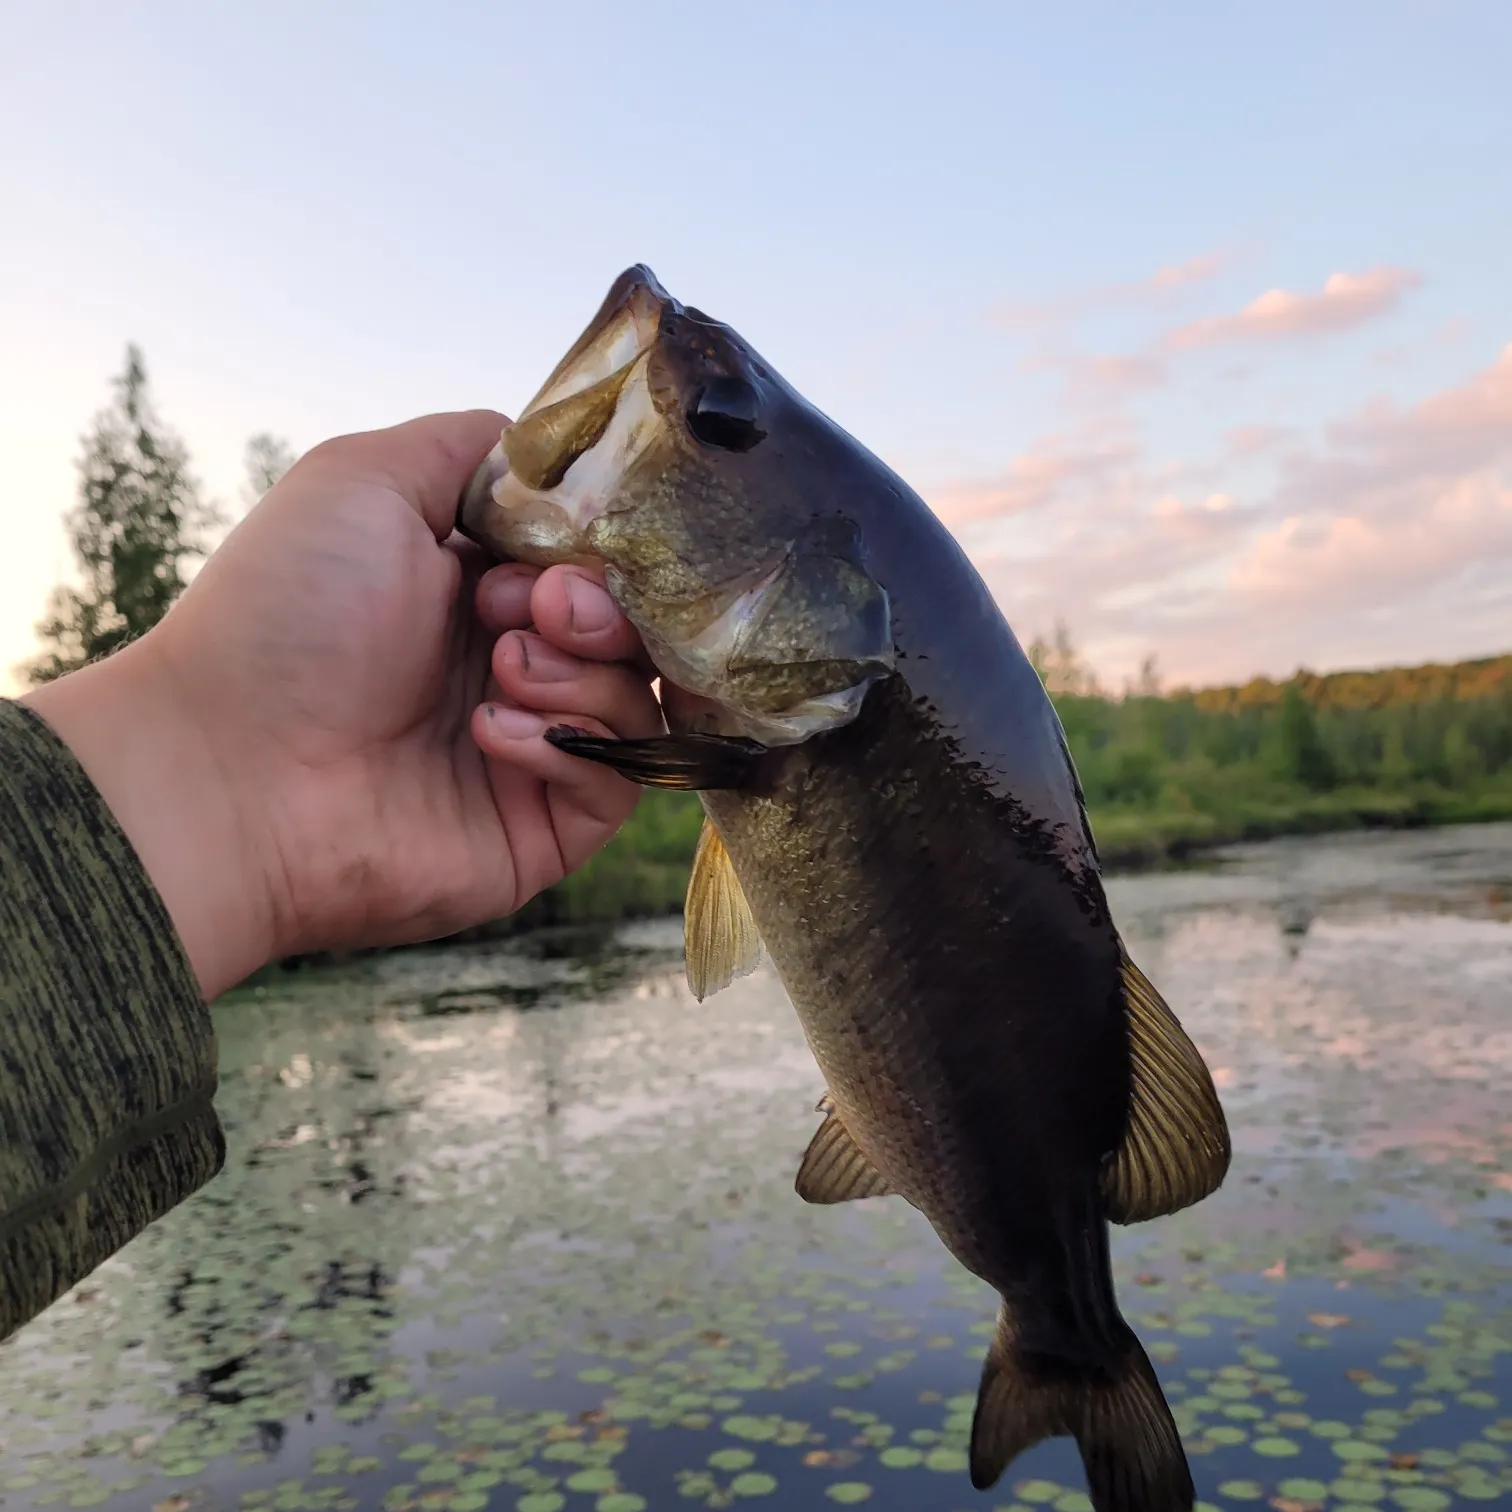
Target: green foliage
138	521
1164	774
643	871
1407	745
1302	756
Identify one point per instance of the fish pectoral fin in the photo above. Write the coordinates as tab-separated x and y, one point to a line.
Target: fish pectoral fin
686	763
1176	1150
834	1169
720	941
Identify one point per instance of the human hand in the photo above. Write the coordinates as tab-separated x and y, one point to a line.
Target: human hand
330	741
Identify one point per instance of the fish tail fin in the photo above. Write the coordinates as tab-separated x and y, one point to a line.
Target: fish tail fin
1116	1412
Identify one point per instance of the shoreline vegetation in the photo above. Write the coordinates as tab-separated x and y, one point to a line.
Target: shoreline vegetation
1170	775
1166	774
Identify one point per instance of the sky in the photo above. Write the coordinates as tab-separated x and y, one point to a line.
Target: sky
1193	322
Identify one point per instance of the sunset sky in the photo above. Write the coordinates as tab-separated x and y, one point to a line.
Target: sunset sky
1194	322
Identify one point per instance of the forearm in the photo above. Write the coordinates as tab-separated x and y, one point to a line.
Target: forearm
126	723
107	1057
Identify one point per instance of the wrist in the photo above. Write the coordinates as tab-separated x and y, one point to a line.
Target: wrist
134	730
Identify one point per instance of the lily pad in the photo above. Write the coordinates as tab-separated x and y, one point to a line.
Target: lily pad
753	1483
730	1459
1275	1448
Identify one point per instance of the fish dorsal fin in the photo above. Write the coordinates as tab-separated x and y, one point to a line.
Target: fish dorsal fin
1176	1150
720	941
833	1167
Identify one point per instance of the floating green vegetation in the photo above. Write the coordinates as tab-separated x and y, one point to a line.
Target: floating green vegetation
549	1259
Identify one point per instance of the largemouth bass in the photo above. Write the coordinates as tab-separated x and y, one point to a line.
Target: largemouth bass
893	811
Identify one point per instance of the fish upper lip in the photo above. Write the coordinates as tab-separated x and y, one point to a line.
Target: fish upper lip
622	308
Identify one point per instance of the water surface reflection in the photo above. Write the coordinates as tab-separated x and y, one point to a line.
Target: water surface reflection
514	1228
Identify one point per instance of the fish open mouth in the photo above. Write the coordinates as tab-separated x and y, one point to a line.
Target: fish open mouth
623	329
553	469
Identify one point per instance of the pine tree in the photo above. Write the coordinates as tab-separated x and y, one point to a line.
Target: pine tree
139	520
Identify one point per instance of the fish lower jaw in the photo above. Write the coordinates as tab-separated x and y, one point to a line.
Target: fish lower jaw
511	521
547	526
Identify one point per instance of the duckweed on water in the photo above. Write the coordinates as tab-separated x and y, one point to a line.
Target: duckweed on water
550	1259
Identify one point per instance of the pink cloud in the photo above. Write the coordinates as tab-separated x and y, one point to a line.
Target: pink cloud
1400	499
1382	556
1049	471
1345	300
1255	440
1389	539
1113	375
1159	285
1193	270
1447	433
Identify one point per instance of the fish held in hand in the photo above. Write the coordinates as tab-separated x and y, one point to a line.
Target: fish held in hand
893	812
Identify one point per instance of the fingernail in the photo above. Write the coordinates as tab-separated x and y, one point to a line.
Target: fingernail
513	724
541	661
589	606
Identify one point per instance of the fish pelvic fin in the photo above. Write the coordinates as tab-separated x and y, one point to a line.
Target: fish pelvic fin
834	1169
1130	1448
1176	1150
683	763
720	940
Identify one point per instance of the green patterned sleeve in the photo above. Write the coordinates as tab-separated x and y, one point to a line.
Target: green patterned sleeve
107	1056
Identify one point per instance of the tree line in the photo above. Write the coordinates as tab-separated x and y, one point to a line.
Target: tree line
138	525
1162	770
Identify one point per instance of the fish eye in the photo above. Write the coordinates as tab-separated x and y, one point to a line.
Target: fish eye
725	415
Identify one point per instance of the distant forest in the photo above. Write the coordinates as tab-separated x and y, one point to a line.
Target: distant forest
1163	772
1168	773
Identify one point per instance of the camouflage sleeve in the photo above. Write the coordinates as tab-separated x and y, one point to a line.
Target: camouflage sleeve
107	1056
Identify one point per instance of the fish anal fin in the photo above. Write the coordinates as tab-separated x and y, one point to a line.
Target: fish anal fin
1176	1150
833	1168
1130	1447
720	940
681	763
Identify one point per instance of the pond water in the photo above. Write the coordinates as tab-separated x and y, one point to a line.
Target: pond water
513	1227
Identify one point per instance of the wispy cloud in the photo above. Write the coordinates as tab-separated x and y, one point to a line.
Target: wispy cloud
1113	375
1394	518
1246	441
1346	300
1155	288
1055	468
1179	275
1379	556
1397	499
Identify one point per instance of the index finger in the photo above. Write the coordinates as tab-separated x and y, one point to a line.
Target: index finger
573	610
